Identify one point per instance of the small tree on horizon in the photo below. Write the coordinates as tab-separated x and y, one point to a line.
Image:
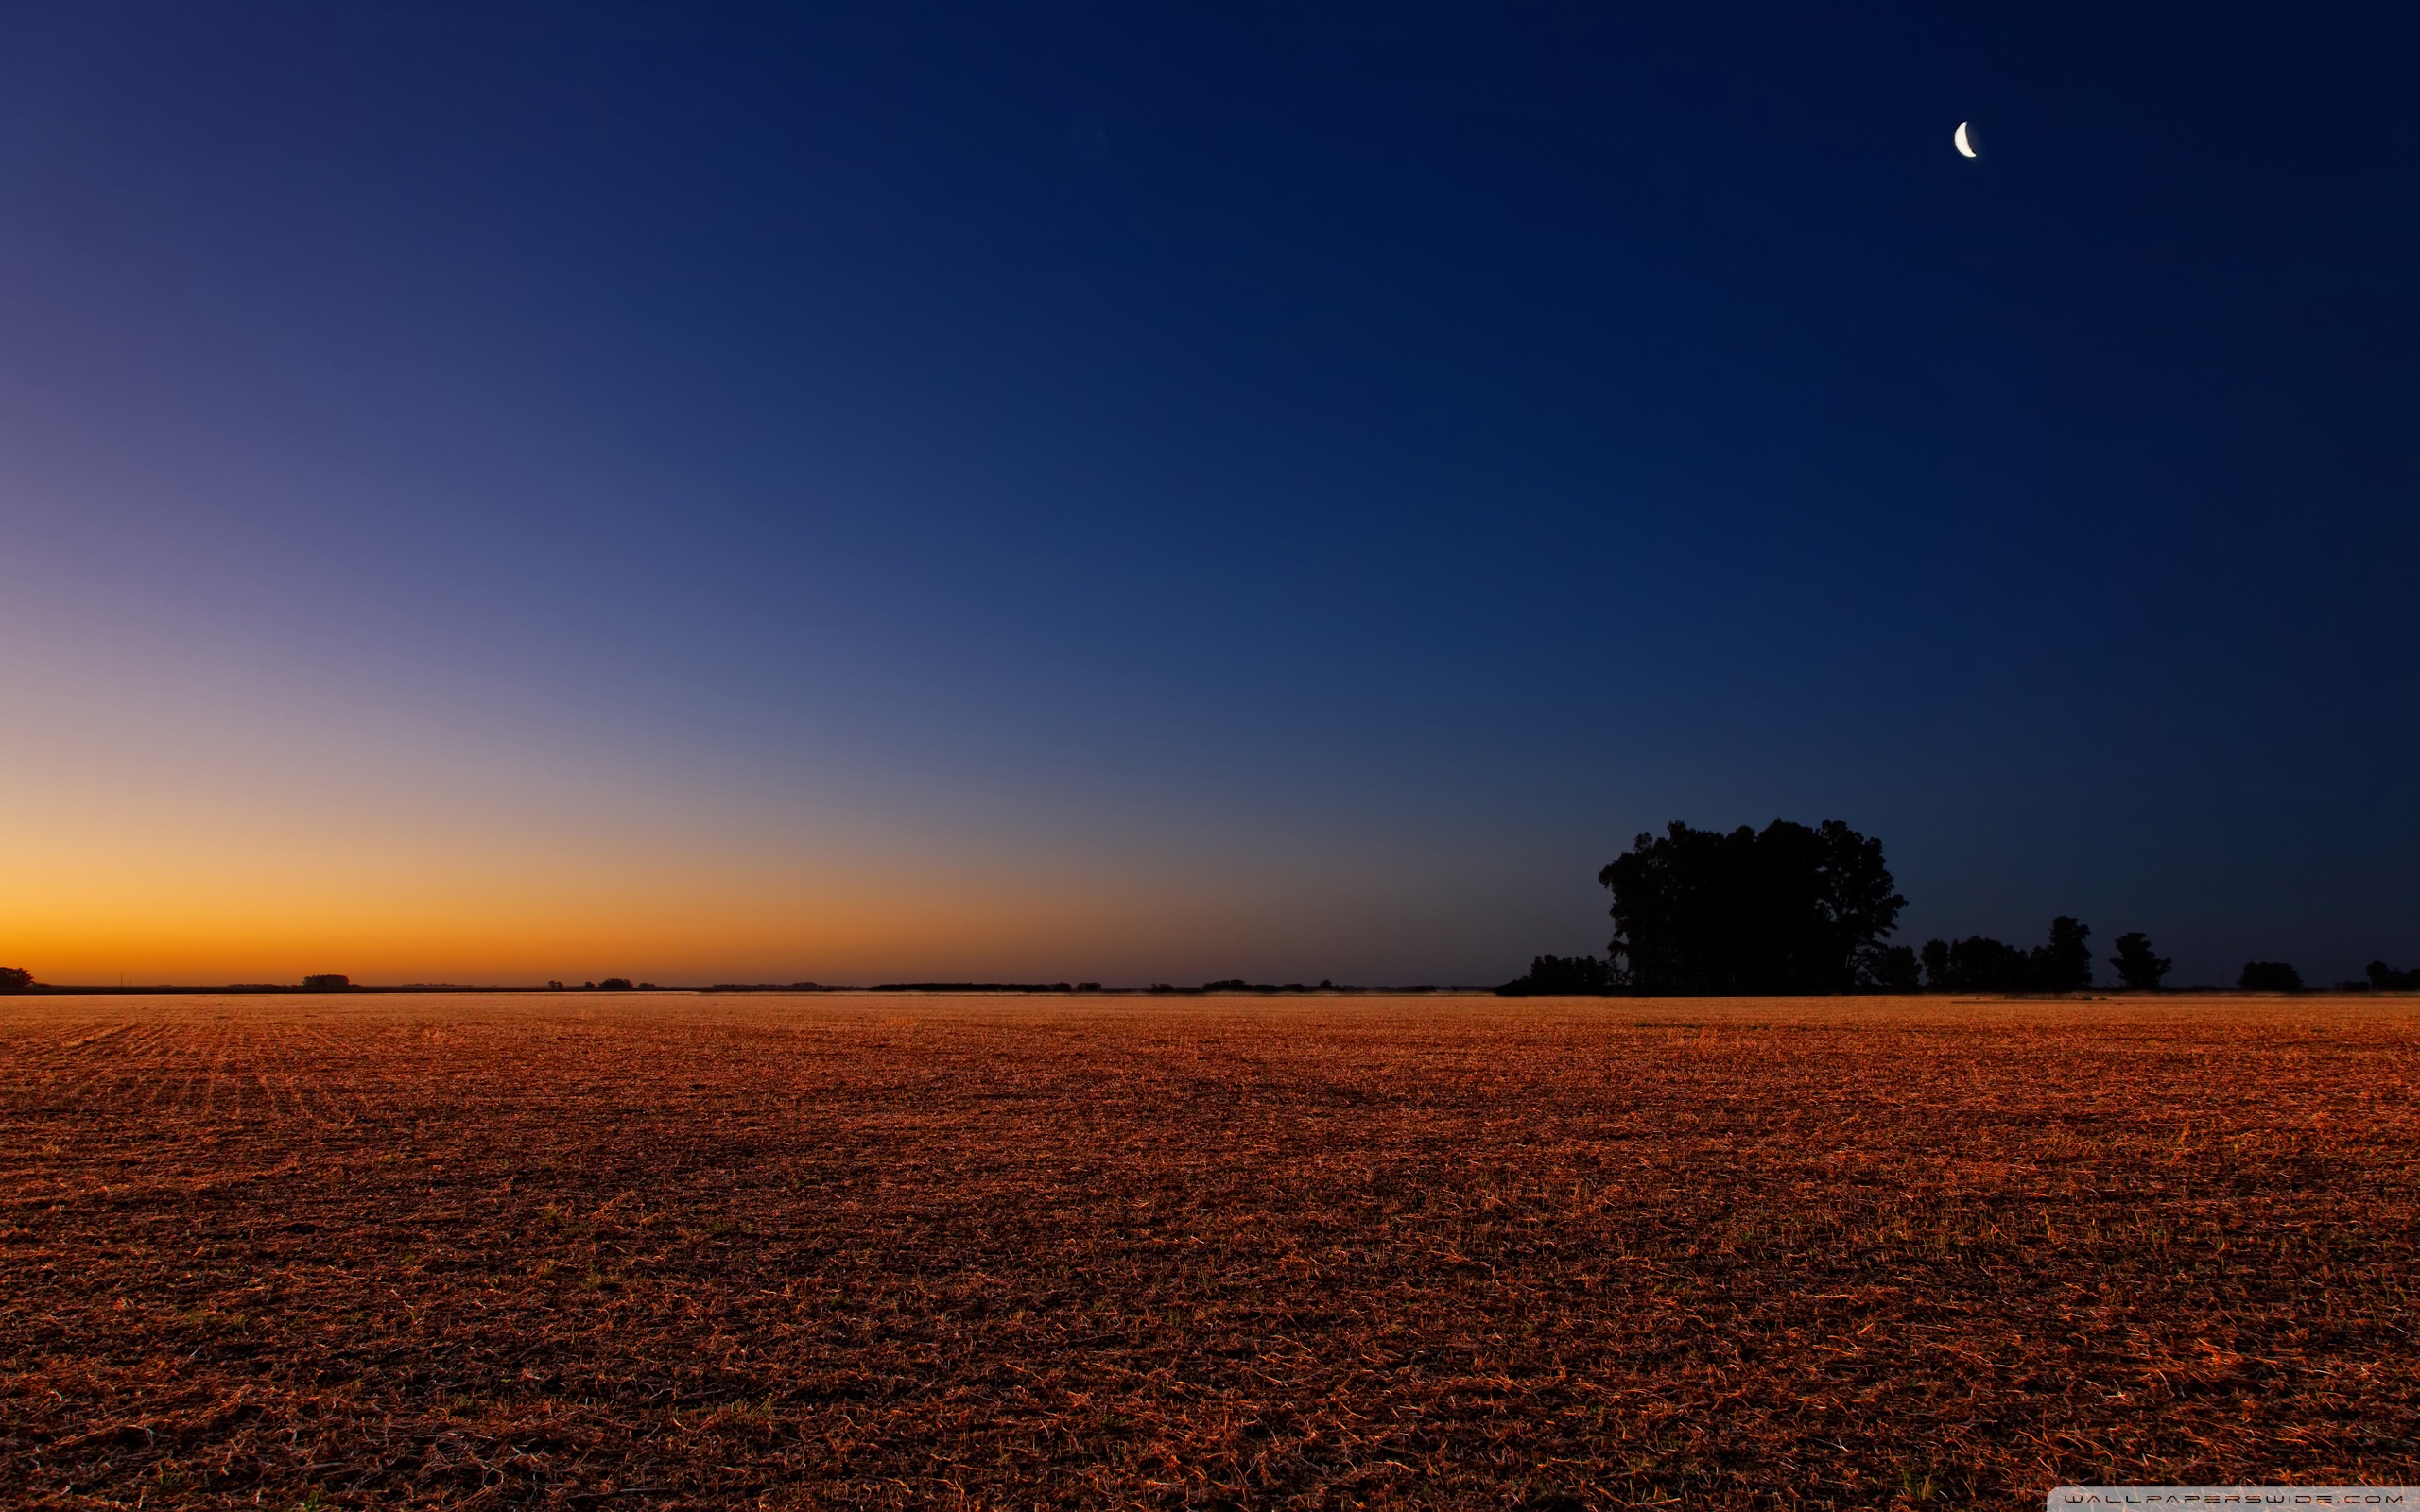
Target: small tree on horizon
2064	964
2139	967
15	979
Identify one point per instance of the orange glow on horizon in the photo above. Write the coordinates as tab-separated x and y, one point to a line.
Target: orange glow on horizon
165	821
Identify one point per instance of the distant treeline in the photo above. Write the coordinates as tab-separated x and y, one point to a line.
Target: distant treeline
20	980
27	985
770	986
1788	910
1237	984
985	987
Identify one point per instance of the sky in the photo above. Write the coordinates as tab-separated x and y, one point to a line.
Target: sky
1159	492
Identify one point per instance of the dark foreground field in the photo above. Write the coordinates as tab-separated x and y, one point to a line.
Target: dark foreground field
848	1252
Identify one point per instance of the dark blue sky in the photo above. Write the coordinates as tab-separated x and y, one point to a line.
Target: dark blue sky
1324	477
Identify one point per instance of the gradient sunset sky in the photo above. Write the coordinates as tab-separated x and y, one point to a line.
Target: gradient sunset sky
1151	492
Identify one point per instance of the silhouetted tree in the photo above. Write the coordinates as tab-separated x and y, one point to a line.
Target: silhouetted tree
15	979
327	982
2384	978
2138	967
2269	977
1572	976
2065	963
1788	909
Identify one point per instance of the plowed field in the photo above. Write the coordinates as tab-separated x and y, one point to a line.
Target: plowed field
852	1251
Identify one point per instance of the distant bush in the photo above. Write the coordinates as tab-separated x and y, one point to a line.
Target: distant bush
15	979
2269	977
327	982
615	983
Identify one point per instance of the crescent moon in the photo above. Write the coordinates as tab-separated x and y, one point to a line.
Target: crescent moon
1965	149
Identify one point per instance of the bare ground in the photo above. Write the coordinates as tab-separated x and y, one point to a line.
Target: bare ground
854	1251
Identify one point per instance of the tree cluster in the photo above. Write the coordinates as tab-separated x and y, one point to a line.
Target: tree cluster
2269	977
1788	909
1779	910
15	979
2062	963
2384	978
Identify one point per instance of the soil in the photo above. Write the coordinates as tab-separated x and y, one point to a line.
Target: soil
591	1251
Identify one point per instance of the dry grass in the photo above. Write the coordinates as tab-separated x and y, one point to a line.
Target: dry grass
846	1251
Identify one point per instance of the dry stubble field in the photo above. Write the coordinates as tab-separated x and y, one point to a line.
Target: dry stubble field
856	1251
